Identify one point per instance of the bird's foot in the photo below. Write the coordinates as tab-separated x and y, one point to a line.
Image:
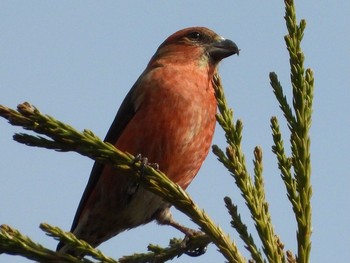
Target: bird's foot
164	217
188	248
144	163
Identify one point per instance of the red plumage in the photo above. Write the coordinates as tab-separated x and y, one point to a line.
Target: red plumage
169	117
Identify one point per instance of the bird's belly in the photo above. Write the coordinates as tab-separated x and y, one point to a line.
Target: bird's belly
142	207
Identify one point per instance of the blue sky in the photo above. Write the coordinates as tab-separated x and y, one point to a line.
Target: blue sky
77	60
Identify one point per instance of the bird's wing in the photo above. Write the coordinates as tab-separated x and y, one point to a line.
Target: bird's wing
125	113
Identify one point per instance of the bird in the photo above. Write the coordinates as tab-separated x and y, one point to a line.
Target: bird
167	116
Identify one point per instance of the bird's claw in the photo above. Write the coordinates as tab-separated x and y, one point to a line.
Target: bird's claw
139	158
193	251
144	163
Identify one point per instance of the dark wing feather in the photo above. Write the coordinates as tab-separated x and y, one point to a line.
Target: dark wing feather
125	113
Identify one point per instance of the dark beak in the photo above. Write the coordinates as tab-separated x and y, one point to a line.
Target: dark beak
222	49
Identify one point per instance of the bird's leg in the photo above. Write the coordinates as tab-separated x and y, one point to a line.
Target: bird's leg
164	217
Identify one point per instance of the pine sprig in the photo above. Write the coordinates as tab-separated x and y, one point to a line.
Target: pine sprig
79	245
253	192
14	243
282	100
242	230
175	248
298	184
258	174
284	165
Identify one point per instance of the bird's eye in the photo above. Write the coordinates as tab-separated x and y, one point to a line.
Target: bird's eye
195	36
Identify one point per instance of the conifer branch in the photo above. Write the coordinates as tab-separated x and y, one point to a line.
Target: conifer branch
252	192
298	185
62	137
79	245
12	242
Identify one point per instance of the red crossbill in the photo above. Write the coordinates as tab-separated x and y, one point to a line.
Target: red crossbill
168	116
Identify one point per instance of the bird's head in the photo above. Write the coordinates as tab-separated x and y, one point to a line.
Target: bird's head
195	44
